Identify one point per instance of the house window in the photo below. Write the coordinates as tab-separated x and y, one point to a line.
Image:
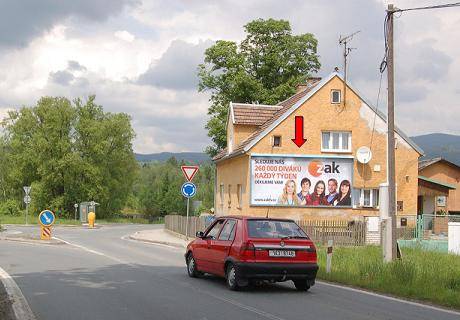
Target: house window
239	194
336	141
400	205
229	196
366	198
335	96
221	194
277	141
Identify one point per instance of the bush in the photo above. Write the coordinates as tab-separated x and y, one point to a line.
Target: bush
10	207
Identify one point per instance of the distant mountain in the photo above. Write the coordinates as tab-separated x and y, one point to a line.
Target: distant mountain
442	145
195	157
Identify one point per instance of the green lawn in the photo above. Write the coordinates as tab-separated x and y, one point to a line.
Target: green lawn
7	219
421	275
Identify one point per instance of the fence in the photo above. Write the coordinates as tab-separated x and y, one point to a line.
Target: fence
342	232
431	226
178	224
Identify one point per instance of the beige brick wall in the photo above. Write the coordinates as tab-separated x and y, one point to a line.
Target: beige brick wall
320	115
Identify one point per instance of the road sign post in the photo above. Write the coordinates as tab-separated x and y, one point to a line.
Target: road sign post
27	200
46	218
188	190
76	207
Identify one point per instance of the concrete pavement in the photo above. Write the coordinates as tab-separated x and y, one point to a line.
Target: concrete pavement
161	236
103	274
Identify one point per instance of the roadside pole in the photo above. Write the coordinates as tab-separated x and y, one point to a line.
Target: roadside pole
391	135
76	207
188	190
27	200
186	224
329	256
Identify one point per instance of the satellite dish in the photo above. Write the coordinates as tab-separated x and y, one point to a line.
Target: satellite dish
364	155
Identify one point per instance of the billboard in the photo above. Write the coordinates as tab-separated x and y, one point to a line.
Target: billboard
301	181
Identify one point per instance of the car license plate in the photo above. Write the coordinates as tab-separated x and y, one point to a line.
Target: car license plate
281	253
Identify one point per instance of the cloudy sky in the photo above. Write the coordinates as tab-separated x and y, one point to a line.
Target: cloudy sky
140	57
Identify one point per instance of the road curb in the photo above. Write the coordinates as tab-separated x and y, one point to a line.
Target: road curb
19	304
172	244
34	241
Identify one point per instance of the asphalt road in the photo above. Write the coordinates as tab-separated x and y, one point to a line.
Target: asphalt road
105	276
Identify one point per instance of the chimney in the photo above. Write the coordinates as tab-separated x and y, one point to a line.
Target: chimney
310	82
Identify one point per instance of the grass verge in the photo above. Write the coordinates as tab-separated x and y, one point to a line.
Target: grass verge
7	219
420	275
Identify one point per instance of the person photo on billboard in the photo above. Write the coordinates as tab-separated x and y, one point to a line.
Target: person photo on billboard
304	191
289	195
318	197
344	196
332	188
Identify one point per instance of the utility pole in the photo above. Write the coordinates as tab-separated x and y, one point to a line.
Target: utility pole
391	133
346	51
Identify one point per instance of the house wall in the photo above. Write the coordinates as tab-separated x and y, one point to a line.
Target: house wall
449	174
241	132
320	115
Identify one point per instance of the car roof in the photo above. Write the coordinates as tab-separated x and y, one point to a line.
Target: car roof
241	217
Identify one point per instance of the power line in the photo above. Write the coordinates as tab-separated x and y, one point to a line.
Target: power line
383	64
440	6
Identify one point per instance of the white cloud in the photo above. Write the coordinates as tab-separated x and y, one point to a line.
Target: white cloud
125	35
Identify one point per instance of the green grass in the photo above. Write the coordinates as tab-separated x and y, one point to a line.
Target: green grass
7	219
420	275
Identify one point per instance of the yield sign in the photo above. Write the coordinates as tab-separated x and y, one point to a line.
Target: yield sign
189	171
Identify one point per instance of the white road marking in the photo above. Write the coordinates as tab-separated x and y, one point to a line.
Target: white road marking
417	304
95	252
20	306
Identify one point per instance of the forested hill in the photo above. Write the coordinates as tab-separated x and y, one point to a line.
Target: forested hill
442	145
195	157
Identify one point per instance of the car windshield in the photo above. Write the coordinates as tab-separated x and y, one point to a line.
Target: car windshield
274	229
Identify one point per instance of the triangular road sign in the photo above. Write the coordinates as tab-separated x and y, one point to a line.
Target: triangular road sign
189	171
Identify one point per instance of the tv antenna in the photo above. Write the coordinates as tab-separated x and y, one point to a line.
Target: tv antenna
344	40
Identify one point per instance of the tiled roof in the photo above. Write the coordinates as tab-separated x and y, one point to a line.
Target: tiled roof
283	107
422	164
252	114
441	183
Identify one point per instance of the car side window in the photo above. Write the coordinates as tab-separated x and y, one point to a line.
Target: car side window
227	230
214	231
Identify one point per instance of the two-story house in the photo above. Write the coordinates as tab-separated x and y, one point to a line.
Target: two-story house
266	170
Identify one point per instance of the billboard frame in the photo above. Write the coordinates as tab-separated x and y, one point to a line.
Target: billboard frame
308	156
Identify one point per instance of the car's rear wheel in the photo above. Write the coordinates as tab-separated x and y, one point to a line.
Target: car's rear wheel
233	277
191	267
302	285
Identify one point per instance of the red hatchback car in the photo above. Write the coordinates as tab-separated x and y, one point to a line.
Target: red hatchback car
242	249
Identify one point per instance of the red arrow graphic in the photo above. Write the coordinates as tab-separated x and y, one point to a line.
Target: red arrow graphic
299	139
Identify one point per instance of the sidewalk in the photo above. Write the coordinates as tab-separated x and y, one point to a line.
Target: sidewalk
161	236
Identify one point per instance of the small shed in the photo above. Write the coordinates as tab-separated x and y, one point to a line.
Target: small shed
85	208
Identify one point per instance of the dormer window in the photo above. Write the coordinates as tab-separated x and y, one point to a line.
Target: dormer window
335	96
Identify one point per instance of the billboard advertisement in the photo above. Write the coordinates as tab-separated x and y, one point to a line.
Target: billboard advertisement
301	181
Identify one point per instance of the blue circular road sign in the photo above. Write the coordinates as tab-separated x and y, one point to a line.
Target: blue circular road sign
188	189
46	218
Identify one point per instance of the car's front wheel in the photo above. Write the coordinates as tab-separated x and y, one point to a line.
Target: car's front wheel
191	267
302	285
